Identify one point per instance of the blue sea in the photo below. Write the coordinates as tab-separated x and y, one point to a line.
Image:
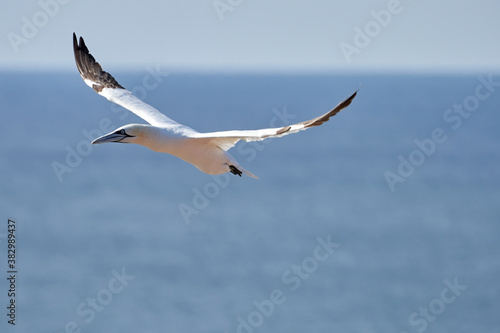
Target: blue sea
384	219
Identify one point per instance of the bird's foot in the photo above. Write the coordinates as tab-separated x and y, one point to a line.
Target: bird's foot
234	171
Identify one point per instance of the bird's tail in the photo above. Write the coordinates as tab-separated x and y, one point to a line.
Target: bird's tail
248	173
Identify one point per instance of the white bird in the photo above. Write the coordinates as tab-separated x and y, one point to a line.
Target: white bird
206	151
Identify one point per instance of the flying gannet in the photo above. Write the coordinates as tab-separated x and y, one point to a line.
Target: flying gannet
206	151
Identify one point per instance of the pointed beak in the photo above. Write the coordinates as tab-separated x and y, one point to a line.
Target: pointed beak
112	137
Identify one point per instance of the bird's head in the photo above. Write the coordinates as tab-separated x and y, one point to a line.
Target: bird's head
133	133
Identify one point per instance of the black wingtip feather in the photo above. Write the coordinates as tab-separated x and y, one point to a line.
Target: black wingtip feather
90	69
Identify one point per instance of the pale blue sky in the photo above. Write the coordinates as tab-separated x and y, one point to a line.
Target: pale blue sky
253	35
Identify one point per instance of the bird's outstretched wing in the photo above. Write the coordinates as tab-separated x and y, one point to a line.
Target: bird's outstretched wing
227	139
106	85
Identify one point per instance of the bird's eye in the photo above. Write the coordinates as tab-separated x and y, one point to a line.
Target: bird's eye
122	132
